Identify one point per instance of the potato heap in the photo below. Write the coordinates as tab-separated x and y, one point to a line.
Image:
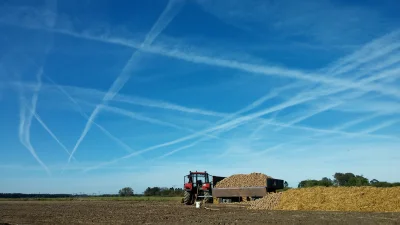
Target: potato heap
244	180
269	202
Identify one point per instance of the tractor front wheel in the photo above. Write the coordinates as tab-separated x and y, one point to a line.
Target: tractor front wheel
187	198
207	197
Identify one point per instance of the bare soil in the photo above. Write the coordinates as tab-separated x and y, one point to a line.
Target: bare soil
146	212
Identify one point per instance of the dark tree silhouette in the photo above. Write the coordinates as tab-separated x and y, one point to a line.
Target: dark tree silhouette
126	191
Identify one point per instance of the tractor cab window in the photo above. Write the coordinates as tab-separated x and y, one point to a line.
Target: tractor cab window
188	179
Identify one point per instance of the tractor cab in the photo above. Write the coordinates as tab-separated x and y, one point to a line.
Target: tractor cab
197	185
197	180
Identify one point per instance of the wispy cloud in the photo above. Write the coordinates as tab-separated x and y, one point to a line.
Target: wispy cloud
379	126
37	117
366	131
375	49
340	84
310	114
242	66
248	108
322	24
80	110
85	93
371	51
140	117
26	119
167	15
226	126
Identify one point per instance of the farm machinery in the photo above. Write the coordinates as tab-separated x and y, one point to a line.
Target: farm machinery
202	186
199	185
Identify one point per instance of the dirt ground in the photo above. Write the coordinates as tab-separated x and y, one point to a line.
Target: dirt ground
145	212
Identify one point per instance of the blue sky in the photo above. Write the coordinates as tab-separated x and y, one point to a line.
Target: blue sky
98	95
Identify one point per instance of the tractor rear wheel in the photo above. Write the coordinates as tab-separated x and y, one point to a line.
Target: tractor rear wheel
187	198
207	197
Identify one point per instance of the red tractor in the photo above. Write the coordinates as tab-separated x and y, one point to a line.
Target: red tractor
198	185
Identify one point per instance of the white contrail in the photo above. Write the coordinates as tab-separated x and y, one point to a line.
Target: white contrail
249	107
368	52
105	131
372	49
382	75
248	67
317	111
333	105
357	121
275	71
37	117
34	100
152	103
180	149
260	127
236	122
129	99
25	121
167	15
140	101
187	57
379	126
367	80
159	104
148	119
226	126
165	105
336	130
360	133
179	140
304	98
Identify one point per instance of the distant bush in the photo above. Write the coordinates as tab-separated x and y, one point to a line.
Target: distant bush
126	191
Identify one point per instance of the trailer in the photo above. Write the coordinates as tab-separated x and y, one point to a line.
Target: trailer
238	194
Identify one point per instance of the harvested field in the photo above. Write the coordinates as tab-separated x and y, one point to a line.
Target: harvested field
243	180
342	199
167	212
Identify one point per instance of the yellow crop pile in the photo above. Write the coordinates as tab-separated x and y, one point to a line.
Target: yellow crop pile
365	199
244	180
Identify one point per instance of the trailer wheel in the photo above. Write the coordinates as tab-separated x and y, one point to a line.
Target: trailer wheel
207	197
187	198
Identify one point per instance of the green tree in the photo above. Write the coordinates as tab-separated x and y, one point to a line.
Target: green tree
326	182
126	191
342	179
309	183
357	181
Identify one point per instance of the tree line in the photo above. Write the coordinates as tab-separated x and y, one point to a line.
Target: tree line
154	191
346	180
163	191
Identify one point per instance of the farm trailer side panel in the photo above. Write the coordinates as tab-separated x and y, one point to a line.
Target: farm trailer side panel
234	194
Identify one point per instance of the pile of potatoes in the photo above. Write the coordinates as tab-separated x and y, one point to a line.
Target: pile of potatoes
244	180
269	202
